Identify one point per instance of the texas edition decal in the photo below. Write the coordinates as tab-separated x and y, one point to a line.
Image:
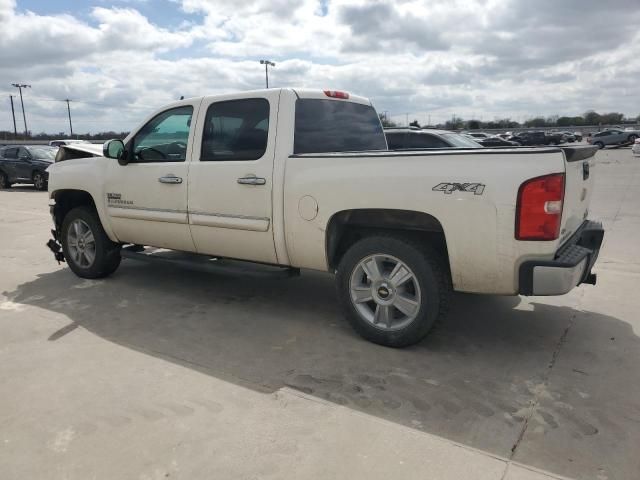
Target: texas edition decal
449	188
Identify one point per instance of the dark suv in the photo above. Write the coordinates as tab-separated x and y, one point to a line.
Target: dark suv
25	164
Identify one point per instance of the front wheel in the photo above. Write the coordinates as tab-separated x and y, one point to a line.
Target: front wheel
632	138
39	181
393	289
600	145
86	247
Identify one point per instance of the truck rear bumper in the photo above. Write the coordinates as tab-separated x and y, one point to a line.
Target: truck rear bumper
570	267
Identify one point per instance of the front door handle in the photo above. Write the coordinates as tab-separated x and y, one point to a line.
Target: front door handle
170	179
251	180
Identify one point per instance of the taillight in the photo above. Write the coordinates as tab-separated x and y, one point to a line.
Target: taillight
539	208
336	94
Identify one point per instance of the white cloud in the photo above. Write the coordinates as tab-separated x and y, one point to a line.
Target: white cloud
466	57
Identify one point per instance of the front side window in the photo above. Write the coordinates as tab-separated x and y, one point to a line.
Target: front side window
235	130
164	138
336	126
43	153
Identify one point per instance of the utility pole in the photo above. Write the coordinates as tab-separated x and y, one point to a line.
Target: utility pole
69	112
13	114
407	115
267	64
20	86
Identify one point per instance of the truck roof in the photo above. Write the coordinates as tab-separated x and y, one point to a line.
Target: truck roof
300	92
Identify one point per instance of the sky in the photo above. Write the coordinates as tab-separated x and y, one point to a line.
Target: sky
118	60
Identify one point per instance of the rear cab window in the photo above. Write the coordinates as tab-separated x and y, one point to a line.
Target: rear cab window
324	126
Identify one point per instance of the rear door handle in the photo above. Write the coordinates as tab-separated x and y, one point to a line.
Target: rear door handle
170	179
251	180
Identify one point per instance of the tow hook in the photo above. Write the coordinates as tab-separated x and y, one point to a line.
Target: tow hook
55	247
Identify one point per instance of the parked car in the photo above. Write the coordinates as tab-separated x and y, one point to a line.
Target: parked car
57	143
636	147
477	135
25	164
578	136
613	137
569	137
303	179
497	142
407	138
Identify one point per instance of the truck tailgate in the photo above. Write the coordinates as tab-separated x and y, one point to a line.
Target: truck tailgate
579	162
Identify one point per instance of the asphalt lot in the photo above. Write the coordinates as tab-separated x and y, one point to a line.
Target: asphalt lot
158	373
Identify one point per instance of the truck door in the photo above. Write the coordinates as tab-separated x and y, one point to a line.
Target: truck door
230	179
147	198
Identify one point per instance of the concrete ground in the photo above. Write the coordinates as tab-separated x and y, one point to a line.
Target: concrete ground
158	373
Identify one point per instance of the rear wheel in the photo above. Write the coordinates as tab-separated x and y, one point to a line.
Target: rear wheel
4	181
39	181
393	289
87	248
632	138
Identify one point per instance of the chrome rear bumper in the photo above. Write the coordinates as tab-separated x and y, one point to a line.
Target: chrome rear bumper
570	267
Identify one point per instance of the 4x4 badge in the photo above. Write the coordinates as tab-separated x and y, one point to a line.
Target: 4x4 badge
449	188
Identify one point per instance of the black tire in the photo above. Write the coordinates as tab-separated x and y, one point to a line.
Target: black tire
4	181
39	180
600	145
432	276
632	138
107	253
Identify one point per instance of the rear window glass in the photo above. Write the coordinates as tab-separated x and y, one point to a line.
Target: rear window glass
336	126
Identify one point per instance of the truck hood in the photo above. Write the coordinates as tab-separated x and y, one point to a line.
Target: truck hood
80	150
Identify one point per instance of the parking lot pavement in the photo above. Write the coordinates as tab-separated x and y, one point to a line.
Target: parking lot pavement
157	373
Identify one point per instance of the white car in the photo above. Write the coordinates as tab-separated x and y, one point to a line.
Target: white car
302	179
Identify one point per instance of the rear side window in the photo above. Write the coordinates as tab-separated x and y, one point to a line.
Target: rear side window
396	141
425	140
336	126
10	153
235	130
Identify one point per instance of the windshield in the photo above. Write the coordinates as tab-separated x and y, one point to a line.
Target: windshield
457	140
42	153
336	126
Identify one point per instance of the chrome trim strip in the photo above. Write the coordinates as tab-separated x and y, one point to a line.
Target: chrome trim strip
146	209
226	215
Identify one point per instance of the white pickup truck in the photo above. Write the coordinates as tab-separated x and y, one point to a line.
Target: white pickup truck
303	179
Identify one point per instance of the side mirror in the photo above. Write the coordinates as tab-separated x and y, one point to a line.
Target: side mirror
115	149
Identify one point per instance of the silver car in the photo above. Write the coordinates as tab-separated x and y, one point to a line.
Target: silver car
613	137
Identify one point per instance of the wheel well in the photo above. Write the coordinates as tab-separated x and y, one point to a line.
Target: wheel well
67	200
348	226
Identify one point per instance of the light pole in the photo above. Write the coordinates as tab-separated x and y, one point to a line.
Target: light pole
20	86
69	112
267	64
13	114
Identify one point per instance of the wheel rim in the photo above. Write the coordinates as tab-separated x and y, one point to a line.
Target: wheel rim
81	243
38	182
385	292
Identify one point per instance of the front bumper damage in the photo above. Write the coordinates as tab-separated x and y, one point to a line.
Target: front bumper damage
570	266
54	244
